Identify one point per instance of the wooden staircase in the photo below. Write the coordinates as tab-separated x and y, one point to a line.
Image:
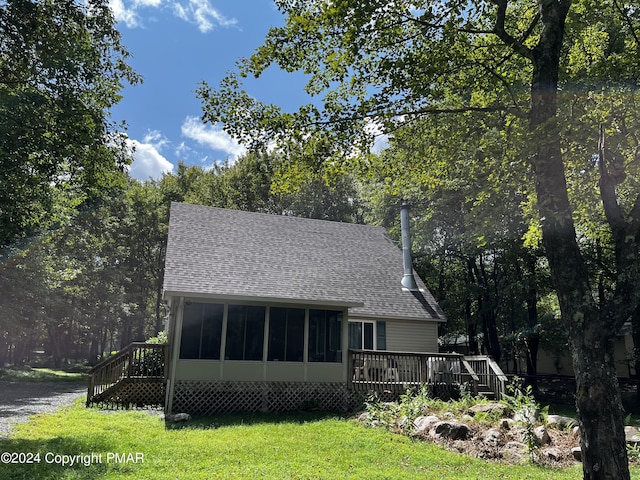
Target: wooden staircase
135	376
488	378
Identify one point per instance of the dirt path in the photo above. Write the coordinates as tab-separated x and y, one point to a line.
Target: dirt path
20	400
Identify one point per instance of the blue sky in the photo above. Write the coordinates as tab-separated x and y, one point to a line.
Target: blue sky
176	44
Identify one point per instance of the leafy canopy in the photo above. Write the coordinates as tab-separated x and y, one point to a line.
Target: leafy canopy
62	67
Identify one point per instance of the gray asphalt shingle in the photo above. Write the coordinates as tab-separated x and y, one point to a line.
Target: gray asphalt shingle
214	251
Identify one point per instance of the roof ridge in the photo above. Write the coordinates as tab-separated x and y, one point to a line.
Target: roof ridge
275	215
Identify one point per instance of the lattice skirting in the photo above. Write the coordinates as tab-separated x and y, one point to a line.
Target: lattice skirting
133	392
205	398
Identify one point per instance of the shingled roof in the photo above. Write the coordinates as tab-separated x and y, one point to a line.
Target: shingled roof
220	253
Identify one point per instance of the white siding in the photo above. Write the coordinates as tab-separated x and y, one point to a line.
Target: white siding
408	336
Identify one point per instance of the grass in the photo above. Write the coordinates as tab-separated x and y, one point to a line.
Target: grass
296	446
33	374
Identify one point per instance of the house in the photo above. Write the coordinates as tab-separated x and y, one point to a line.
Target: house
264	309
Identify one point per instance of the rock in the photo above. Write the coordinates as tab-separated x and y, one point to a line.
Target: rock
488	407
364	417
448	415
575	433
422	425
542	435
577	453
553	454
514	450
632	435
560	421
178	417
493	436
450	430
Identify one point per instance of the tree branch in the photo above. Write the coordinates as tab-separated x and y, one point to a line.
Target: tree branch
499	30
627	20
419	111
612	209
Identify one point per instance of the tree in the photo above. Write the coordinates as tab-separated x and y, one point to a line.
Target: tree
277	183
392	62
61	69
470	214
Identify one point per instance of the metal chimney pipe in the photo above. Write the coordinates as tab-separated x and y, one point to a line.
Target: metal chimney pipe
408	281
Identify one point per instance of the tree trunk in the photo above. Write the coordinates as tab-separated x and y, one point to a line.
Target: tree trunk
486	312
591	335
635	334
599	405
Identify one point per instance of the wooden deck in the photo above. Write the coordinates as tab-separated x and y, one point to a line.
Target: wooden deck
136	376
444	373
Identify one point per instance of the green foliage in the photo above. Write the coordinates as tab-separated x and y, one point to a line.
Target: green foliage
416	402
527	412
61	69
633	452
161	338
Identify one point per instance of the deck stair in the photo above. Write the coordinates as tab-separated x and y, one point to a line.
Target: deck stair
135	376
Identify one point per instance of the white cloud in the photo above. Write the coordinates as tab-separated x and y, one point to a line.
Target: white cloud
213	137
147	3
198	12
183	150
124	14
201	13
148	162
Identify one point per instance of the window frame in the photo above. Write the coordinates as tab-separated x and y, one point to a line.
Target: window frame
242	329
329	335
199	328
288	320
378	334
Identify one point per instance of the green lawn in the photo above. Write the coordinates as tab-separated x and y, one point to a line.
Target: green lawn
297	446
29	374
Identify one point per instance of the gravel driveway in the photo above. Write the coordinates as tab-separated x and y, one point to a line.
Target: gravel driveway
19	400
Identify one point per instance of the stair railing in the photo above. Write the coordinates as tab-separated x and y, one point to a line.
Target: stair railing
137	360
489	373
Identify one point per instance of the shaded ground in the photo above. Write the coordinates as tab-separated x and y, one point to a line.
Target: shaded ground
20	400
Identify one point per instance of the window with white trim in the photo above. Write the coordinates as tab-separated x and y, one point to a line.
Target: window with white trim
367	335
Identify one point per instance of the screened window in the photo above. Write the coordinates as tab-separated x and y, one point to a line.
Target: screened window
286	334
245	333
201	331
325	336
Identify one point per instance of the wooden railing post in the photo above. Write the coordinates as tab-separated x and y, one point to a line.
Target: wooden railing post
90	389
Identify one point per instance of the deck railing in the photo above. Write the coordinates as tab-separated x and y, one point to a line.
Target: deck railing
489	373
398	371
137	361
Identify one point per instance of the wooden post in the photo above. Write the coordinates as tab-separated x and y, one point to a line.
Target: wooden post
422	368
130	356
90	390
